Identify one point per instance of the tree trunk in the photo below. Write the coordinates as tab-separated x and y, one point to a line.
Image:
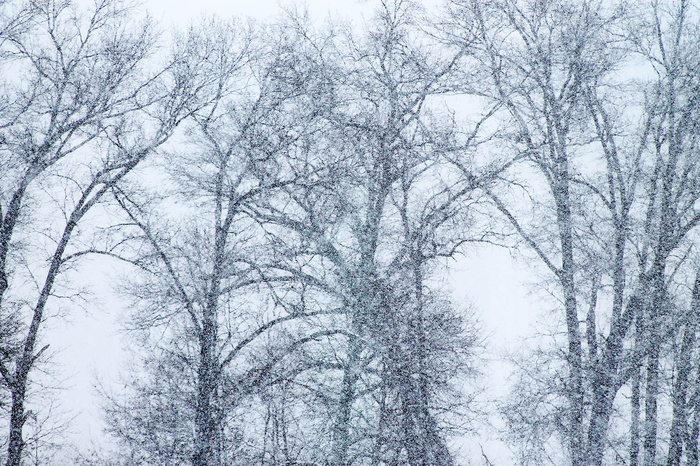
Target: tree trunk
636	400
605	384
341	429
207	438
423	442
635	403
566	278
653	333
27	358
427	446
650	406
693	458
679	425
17	419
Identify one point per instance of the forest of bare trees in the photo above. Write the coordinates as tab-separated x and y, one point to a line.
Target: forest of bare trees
283	200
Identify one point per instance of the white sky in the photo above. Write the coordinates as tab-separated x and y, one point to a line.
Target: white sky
182	11
90	346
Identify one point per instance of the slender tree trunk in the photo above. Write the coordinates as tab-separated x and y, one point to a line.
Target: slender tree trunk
382	428
28	357
679	425
7	226
693	405
341	429
605	385
635	403
667	226
420	436
575	387
575	350
693	458
17	419
636	399
650	406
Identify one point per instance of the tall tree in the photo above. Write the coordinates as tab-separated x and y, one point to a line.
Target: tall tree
80	110
227	318
540	59
374	229
614	183
666	32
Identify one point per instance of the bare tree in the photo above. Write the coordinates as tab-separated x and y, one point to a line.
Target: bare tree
663	39
355	184
551	67
540	60
80	110
228	321
285	249
368	235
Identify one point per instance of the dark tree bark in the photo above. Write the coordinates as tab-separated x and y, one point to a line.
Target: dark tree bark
680	435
